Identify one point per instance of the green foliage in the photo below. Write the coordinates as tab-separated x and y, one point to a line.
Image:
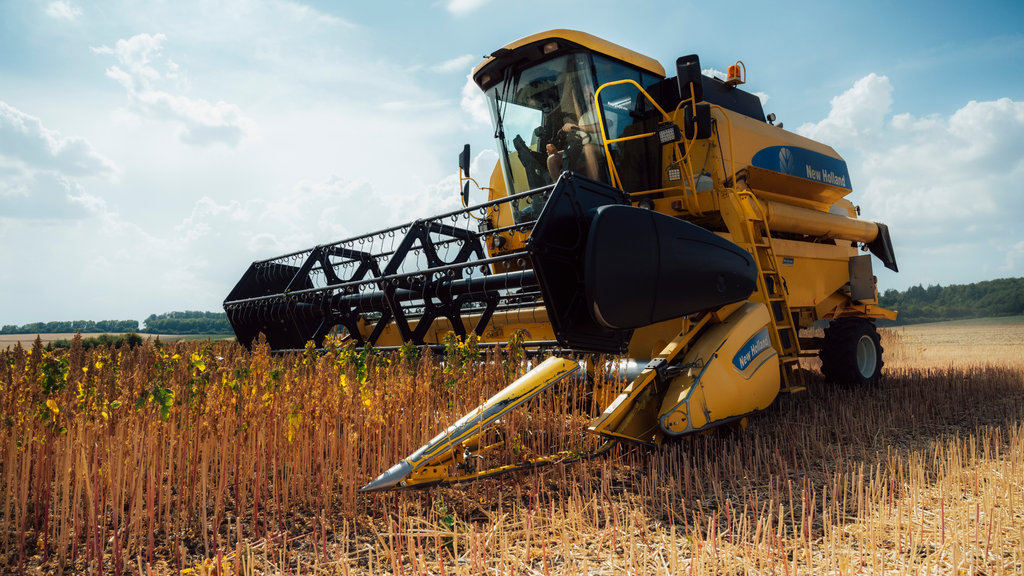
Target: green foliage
446	518
459	355
199	379
359	359
53	378
160	394
1003	297
408	354
53	373
188	322
514	353
448	524
130	340
86	326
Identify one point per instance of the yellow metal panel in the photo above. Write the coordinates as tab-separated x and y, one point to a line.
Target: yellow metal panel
847	206
810	194
715	389
751	136
812	271
826	304
497	189
633	415
642	345
592	42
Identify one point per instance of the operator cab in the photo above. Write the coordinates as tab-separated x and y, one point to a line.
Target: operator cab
541	95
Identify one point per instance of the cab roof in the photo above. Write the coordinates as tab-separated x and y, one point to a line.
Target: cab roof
571	37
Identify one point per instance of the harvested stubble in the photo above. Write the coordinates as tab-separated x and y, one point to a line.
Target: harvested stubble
257	467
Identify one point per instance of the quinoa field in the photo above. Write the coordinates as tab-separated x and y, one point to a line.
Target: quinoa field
200	457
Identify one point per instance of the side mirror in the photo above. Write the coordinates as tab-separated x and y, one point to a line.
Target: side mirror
688	72
464	161
699	121
464	166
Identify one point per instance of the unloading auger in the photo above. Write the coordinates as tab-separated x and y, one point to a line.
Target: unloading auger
667	220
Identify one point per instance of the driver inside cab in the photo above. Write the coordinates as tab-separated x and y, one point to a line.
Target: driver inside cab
580	128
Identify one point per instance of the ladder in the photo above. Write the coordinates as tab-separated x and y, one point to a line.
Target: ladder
747	221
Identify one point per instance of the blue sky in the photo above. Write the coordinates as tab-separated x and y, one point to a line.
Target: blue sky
149	151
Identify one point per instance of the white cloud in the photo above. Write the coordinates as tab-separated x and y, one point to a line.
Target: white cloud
455	64
63	11
413	105
858	113
37	167
135	53
311	213
200	122
463	7
948	187
25	141
1014	258
956	172
712	73
302	12
194	264
482	166
318	212
474	104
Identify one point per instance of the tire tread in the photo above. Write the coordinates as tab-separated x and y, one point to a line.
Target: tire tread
838	352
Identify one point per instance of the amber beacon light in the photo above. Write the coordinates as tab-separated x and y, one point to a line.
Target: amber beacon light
737	74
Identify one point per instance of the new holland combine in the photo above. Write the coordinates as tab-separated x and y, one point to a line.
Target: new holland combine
663	219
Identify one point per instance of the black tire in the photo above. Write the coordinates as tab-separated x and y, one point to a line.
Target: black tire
851	352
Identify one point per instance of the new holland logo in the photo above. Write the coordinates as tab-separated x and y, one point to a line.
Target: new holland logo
786	163
757	344
804	164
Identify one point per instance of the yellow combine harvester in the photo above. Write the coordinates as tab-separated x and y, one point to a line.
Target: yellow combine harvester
663	219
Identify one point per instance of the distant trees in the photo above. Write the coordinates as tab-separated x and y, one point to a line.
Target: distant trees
86	326
130	340
188	322
1003	297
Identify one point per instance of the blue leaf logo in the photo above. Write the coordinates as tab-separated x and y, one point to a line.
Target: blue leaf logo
786	163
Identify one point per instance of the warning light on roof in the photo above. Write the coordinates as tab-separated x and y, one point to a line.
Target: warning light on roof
734	76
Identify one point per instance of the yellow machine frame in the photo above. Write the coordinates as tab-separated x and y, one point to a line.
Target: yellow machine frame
799	233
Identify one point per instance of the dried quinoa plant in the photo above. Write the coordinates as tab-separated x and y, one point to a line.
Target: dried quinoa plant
200	457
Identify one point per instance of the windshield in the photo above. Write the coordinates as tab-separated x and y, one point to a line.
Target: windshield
545	123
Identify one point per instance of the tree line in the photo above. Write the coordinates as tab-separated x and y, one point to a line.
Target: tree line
86	326
1003	297
187	322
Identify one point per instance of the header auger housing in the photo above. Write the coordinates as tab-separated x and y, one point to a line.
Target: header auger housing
664	219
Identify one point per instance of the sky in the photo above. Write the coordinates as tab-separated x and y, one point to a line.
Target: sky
150	151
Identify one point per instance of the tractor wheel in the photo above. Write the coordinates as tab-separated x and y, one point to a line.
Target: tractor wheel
852	352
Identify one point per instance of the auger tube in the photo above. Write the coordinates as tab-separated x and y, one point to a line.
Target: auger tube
438	452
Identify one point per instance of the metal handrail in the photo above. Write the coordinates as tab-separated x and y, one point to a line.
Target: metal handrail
683	154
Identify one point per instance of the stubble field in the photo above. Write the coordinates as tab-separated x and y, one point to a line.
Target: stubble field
200	457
